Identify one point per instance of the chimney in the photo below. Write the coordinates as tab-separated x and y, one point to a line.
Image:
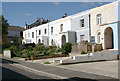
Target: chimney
49	20
65	14
26	25
41	20
37	19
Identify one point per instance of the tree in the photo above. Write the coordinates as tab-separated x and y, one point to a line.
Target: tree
4	26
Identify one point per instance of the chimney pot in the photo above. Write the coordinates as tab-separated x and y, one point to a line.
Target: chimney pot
66	14
49	19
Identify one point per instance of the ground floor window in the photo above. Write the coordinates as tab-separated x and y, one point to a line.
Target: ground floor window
82	37
39	41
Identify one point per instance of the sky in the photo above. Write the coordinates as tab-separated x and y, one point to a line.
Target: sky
17	13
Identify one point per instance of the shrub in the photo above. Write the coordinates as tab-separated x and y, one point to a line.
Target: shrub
83	52
39	47
58	50
66	48
46	62
5	45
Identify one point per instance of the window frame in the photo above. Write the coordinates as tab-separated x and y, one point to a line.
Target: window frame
52	30
45	31
82	22
32	34
39	32
99	19
61	27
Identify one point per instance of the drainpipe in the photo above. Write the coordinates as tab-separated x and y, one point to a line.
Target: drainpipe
118	40
36	36
48	30
89	28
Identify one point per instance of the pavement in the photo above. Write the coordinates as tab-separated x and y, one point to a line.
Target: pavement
104	68
57	72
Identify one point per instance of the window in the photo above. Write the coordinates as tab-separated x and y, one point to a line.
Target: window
82	22
82	37
25	36
52	42
43	41
32	34
99	37
99	19
28	35
61	27
51	30
39	32
45	31
39	41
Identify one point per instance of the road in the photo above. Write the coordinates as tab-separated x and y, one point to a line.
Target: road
23	70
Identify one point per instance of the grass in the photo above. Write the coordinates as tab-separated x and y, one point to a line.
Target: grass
46	62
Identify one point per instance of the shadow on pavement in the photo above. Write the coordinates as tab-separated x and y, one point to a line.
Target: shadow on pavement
9	75
8	61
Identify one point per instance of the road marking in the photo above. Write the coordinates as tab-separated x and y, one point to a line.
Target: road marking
40	72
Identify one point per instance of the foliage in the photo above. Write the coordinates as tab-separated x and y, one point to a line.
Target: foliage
46	62
83	52
66	48
5	45
4	26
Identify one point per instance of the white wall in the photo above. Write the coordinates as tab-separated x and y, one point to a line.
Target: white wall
76	25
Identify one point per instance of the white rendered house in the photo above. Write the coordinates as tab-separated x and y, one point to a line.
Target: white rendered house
67	29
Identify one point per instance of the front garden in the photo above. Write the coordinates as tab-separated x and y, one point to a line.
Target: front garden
39	51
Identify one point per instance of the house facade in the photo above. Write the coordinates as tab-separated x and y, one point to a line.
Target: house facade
58	32
104	24
100	22
15	34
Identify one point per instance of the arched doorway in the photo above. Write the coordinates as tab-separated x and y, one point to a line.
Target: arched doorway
108	38
63	39
39	41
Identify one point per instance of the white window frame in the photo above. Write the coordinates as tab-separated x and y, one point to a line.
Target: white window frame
32	34
82	23
98	18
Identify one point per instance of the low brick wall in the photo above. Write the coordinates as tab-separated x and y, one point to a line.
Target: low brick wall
97	56
85	47
45	57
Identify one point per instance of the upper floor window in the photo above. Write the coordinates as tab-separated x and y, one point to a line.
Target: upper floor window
82	22
39	32
51	30
45	31
99	19
61	27
25	36
28	35
32	34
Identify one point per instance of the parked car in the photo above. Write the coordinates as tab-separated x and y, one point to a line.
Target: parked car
26	46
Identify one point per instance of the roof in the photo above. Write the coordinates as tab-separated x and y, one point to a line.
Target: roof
16	28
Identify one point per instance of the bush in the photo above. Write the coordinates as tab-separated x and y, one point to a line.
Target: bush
46	62
83	52
5	45
40	47
58	50
66	48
